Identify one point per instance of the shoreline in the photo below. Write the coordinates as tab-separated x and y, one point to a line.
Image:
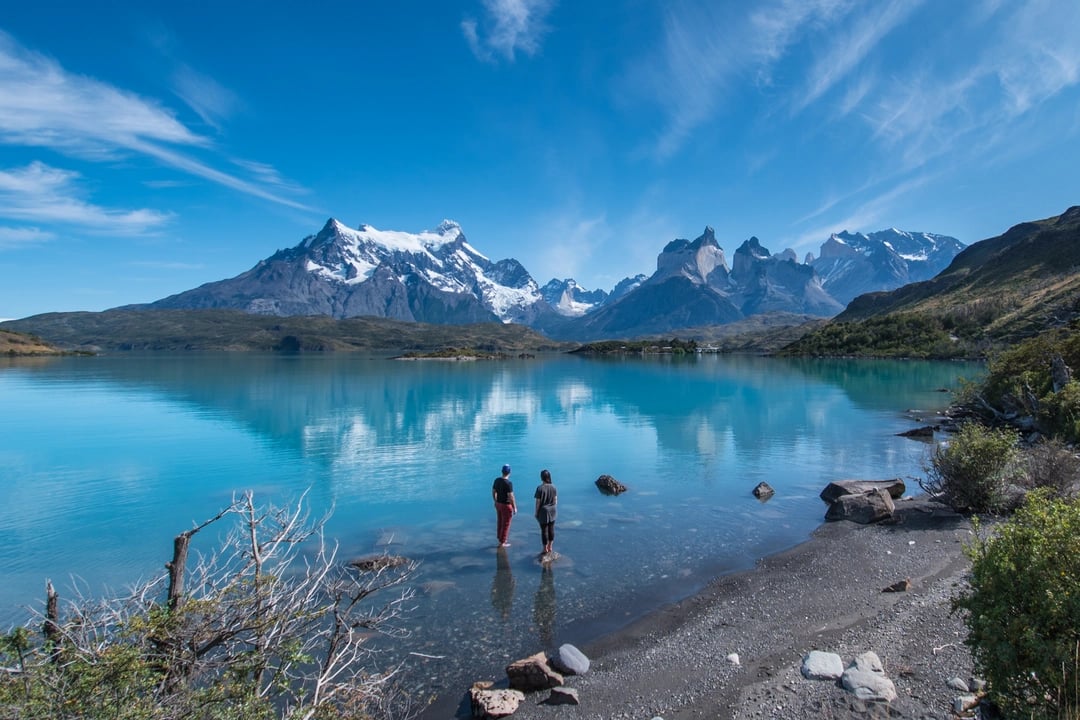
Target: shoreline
822	594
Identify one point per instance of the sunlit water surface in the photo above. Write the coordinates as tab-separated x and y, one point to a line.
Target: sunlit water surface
103	460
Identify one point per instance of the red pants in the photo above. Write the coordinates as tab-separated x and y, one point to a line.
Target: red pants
505	513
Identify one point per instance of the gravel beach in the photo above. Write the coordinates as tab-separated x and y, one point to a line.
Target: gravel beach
825	594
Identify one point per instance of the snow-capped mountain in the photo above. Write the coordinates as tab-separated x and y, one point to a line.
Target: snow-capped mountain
569	299
692	286
851	264
432	276
436	276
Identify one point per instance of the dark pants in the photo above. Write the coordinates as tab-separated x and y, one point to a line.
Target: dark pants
547	533
505	513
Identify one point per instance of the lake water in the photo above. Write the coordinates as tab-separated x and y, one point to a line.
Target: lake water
103	460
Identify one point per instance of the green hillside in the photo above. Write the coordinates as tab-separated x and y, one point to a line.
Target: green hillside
233	330
995	293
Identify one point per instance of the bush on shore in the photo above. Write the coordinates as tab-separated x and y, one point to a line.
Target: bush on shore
1023	609
973	471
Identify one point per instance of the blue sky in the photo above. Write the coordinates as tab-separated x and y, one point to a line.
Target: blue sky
149	147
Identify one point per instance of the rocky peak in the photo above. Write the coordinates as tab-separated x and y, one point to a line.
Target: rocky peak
836	246
749	254
694	260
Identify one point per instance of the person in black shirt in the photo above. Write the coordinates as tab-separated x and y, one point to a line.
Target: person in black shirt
502	492
546	500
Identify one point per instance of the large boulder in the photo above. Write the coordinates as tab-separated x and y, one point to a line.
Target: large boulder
533	673
838	488
609	485
866	678
570	661
868	507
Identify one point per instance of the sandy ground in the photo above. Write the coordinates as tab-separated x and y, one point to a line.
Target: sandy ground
826	594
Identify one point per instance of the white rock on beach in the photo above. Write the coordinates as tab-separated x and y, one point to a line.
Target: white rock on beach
819	665
865	677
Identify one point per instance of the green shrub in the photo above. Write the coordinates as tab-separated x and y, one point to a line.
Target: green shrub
1059	413
973	471
1023	609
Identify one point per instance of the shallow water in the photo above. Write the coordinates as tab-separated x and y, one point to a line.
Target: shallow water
104	460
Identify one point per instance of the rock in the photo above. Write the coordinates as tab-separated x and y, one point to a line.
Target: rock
569	660
375	563
609	485
563	696
955	683
964	703
866	679
838	488
733	658
533	673
899	586
763	491
487	703
926	432
819	665
977	685
868	507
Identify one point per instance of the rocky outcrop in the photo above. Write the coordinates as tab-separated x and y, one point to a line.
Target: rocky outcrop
864	508
838	488
926	432
763	491
609	485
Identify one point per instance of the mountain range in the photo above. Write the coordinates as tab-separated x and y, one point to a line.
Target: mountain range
436	276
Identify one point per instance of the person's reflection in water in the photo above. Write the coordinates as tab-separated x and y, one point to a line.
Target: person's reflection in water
502	587
544	606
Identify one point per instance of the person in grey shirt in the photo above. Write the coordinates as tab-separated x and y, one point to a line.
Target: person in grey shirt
546	500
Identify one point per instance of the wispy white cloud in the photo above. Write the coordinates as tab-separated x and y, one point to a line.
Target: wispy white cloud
43	105
706	50
17	237
213	102
508	26
849	49
1030	56
568	245
867	216
42	194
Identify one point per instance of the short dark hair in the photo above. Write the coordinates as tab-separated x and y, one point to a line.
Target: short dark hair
545	476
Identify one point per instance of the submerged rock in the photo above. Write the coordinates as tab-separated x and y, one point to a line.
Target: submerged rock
763	491
609	485
375	563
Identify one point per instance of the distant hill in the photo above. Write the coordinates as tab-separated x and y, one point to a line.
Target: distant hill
16	344
215	330
994	293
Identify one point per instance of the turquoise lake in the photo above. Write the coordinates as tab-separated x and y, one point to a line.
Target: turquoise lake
104	460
